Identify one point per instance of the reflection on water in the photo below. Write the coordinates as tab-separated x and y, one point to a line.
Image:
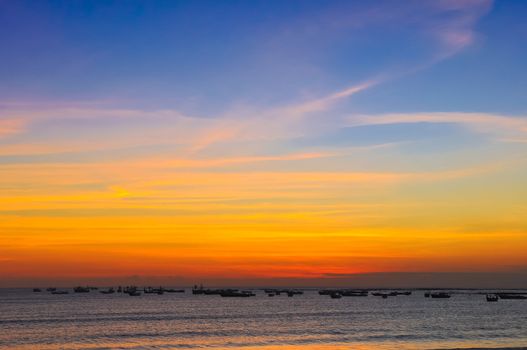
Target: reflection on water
182	321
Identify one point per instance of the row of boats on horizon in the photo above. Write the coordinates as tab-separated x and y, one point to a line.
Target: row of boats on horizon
271	292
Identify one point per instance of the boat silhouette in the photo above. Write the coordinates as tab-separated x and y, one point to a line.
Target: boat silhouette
335	295
511	296
108	291
492	297
60	292
440	295
237	294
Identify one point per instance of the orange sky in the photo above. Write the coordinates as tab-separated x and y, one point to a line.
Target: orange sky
212	222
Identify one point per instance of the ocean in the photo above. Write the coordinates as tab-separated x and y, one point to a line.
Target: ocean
311	321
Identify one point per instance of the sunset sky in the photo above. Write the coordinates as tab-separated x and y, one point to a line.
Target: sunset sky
213	140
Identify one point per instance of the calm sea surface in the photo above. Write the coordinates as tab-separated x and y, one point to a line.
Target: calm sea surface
181	321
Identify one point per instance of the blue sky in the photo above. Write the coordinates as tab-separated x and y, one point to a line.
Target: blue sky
206	57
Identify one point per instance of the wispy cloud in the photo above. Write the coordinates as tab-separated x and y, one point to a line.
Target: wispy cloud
504	126
321	104
11	126
458	31
272	123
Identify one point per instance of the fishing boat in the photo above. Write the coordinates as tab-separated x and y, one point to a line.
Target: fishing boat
108	291
402	293
237	294
335	295
59	292
37	290
150	290
511	296
355	294
492	297
197	290
132	291
80	289
440	295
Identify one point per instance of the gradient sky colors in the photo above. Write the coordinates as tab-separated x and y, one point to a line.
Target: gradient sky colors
261	139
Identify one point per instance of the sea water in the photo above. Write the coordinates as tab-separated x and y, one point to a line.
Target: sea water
311	321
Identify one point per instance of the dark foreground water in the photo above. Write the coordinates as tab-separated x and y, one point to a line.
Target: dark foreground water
183	321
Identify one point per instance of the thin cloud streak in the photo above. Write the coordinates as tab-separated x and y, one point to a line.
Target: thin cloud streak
478	122
11	126
273	123
458	33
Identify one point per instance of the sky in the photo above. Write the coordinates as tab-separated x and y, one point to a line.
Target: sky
293	141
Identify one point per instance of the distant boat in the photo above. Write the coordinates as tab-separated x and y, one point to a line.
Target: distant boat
109	291
150	290
492	297
440	295
172	290
81	289
427	294
511	296
354	293
216	291
132	291
270	294
37	290
60	292
242	294
197	290
335	295
403	293
289	292
51	289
